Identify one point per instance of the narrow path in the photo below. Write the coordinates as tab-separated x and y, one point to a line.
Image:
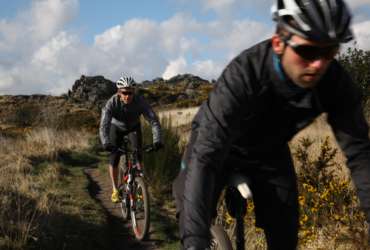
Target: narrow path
122	237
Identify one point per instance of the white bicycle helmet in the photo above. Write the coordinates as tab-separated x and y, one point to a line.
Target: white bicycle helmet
317	20
125	82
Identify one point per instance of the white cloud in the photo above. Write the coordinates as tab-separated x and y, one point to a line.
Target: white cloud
243	34
29	44
49	54
354	4
40	56
219	5
49	16
6	81
207	69
175	67
362	34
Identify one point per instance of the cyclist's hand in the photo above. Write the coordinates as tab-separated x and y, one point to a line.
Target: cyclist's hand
157	146
109	147
139	166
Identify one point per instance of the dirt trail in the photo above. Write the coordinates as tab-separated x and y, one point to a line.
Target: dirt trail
121	235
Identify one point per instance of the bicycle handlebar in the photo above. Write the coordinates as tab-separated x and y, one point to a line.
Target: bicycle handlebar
147	149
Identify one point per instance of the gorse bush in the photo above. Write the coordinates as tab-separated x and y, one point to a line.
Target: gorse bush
330	216
329	207
162	166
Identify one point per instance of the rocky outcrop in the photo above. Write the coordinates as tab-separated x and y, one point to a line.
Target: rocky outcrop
186	79
92	90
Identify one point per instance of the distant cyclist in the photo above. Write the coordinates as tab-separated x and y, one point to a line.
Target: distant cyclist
262	99
121	117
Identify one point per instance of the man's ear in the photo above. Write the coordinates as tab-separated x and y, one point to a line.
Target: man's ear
278	45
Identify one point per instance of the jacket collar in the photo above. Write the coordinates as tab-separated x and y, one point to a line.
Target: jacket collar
284	87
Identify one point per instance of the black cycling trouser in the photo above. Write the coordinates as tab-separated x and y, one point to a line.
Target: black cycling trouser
116	137
275	198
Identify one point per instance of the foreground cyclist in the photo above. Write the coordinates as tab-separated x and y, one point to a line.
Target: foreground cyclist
262	99
121	117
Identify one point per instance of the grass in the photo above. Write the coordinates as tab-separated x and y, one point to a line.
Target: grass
161	167
44	200
166	227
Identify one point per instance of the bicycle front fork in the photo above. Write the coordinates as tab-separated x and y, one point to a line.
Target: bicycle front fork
240	241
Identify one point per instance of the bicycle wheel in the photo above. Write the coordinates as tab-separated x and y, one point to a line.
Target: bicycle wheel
219	240
125	202
125	206
140	214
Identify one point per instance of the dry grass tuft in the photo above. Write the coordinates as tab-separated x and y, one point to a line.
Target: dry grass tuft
28	193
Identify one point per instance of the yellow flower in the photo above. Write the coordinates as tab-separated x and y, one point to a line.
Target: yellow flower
250	206
314	210
228	218
301	200
303	220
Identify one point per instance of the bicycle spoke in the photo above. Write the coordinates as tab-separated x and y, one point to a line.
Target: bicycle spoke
140	211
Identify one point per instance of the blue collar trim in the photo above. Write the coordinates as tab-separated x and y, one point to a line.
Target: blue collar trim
278	68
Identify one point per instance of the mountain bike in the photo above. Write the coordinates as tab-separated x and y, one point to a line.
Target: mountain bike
135	202
234	202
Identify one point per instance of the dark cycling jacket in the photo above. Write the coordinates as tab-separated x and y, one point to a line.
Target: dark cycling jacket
127	117
255	110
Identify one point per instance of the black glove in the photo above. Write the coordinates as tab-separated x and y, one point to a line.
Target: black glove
157	146
109	147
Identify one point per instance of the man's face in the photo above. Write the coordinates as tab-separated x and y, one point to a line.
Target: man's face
304	61
126	95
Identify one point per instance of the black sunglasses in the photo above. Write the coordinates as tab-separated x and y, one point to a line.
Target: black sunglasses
310	52
126	92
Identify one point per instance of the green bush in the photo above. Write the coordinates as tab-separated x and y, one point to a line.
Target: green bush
162	166
357	62
26	115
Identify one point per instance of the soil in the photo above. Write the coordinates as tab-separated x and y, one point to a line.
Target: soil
122	237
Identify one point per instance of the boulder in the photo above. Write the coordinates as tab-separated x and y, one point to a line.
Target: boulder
92	90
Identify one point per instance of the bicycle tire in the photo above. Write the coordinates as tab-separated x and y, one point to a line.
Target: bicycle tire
220	240
140	216
125	203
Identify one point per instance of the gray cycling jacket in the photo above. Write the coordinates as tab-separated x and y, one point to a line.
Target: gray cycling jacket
127	117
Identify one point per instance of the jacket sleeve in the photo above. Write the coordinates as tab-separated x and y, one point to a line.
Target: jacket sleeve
153	120
219	125
105	122
351	130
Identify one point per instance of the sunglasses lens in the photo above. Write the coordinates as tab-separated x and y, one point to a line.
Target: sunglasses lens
312	52
126	93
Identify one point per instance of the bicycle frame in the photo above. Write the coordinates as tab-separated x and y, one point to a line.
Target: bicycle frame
236	195
135	200
132	171
240	182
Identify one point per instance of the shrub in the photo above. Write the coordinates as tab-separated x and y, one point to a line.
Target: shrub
329	207
162	166
357	62
26	115
330	216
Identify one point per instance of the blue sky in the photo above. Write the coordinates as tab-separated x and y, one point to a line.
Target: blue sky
45	45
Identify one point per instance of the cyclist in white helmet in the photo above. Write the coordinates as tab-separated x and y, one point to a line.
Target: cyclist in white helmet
121	117
264	96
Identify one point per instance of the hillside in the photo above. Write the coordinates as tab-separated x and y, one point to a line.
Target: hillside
54	177
80	107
